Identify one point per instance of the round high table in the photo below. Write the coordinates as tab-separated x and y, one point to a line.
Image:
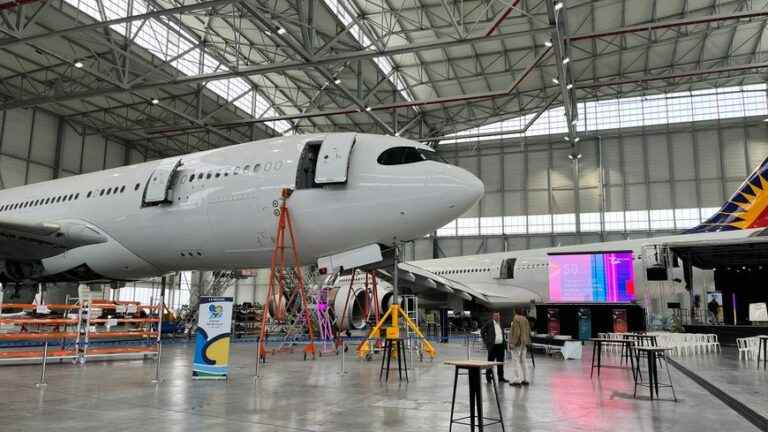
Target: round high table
475	417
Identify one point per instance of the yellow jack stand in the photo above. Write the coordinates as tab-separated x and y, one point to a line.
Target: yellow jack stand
394	313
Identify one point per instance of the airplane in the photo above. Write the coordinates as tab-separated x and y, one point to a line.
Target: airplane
217	209
504	280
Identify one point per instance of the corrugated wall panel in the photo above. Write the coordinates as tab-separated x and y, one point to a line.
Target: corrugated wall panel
44	138
538	167
683	163
16	134
734	154
71	149
658	158
634	160
758	145
93	153
709	163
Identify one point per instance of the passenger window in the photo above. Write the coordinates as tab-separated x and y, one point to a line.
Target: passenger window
109	191
89	194
122	189
267	167
246	169
101	193
200	176
192	177
136	187
236	171
208	176
218	174
77	195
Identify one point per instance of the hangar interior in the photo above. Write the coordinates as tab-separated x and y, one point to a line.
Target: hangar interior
586	121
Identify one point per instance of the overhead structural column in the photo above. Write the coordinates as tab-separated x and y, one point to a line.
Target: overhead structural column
558	18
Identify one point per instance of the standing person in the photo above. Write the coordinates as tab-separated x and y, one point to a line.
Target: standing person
493	338
519	338
713	307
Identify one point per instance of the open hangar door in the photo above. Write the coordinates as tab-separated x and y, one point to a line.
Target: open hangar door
740	270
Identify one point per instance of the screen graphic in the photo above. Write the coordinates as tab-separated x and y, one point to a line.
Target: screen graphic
592	277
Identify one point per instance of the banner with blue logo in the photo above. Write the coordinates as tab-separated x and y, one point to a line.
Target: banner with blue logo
214	330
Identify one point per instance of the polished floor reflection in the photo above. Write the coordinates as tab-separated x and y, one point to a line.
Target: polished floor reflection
294	395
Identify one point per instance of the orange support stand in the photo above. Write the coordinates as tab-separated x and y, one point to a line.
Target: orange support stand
278	276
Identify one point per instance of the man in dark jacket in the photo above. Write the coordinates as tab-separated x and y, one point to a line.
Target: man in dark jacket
495	343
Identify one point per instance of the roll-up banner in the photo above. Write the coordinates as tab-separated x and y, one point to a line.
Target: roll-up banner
214	329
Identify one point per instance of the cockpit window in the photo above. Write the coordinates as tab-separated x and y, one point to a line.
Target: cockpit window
406	155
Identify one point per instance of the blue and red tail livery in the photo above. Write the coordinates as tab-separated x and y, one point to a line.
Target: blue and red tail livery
747	207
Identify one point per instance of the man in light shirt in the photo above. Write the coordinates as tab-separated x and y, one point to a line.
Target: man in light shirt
495	343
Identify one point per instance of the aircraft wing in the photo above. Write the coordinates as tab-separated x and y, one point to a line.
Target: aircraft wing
26	241
423	281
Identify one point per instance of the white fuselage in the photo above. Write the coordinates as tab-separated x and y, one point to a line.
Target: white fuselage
531	268
221	209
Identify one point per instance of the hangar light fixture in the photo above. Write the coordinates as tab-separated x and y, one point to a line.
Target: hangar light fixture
78	64
566	138
574	156
367	108
766	120
559	5
566	60
337	81
548	43
554	80
281	31
569	86
155	101
577	139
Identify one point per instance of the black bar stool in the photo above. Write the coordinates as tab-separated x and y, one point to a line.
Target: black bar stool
402	364
654	357
475	417
762	351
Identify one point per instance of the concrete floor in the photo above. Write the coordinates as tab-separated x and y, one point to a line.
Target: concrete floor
294	395
741	379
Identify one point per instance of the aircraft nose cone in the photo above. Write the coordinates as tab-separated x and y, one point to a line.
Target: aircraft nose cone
460	188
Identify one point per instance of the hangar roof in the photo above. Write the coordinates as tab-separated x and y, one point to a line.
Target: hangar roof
173	76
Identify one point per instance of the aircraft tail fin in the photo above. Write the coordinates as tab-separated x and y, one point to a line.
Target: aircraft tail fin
747	208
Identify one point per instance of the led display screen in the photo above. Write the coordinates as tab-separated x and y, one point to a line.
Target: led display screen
592	277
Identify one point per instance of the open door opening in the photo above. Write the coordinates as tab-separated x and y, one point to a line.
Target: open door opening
305	174
157	190
507	270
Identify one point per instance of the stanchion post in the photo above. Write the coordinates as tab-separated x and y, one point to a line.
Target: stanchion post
160	306
42	382
258	358
343	349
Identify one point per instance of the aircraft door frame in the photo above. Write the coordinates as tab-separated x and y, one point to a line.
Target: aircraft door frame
157	188
333	160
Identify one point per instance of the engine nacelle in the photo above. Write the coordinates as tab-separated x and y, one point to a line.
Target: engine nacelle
359	307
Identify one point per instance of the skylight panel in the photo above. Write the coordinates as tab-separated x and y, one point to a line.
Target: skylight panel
167	41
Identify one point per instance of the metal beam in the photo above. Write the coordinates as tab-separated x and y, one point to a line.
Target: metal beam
102	24
258	70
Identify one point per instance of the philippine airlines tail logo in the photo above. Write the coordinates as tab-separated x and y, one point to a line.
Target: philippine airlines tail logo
747	208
